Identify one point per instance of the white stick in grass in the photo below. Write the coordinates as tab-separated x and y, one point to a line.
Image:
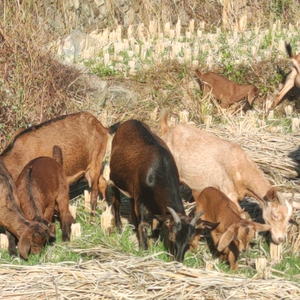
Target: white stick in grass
87	200
3	241
75	231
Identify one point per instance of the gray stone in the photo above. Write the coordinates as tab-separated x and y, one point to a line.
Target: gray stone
119	96
96	90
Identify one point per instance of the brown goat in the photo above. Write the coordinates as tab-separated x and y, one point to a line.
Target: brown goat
142	167
226	91
204	160
293	77
83	141
32	235
233	234
42	189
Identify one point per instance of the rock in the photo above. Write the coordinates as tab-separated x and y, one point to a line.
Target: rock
121	96
96	90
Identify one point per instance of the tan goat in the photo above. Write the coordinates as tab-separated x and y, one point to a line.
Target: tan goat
83	140
233	234
226	91
293	77
204	160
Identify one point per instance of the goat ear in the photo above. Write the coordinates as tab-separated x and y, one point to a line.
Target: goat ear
24	246
271	195
261	227
226	238
201	224
165	219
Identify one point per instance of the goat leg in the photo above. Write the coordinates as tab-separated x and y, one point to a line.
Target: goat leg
290	82
116	205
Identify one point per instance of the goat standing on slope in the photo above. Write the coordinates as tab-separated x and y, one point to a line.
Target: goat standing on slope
204	160
226	91
43	188
143	168
293	77
233	234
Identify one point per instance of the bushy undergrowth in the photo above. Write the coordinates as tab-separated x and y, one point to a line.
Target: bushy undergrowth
34	85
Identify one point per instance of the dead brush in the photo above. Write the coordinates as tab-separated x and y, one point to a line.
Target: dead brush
34	85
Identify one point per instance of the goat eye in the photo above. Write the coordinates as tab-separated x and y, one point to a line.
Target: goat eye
36	234
276	217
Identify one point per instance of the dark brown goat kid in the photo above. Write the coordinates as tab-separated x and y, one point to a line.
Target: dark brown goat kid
233	234
83	141
142	167
43	188
32	235
226	91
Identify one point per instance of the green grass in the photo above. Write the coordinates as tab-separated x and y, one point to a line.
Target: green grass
126	242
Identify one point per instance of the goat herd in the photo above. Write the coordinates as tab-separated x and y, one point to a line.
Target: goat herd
41	161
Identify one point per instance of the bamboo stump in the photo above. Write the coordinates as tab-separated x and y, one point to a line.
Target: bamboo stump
276	252
3	241
75	231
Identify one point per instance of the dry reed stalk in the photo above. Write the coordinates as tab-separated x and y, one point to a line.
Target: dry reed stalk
112	275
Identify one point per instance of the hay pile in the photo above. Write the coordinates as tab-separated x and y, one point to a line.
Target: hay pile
112	275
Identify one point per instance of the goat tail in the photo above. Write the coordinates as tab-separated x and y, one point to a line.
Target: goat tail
57	154
164	126
289	49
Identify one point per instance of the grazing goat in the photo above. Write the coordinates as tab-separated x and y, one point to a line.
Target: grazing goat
83	141
233	234
226	91
293	77
204	159
42	188
143	169
32	235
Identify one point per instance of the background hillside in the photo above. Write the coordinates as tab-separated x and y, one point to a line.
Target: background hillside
36	84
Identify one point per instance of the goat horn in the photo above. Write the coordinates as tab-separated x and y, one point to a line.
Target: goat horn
197	216
174	215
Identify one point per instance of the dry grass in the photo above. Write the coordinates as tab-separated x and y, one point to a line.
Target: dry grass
113	275
34	86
